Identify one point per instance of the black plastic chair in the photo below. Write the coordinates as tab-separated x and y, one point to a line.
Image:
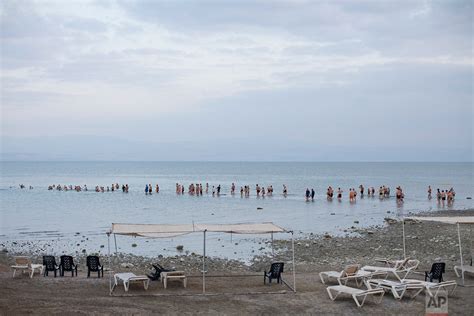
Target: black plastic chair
275	272
93	265
155	276
436	273
67	264
49	263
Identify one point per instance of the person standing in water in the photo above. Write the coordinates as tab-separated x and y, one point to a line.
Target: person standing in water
307	194
361	187
157	189
146	189
339	194
312	194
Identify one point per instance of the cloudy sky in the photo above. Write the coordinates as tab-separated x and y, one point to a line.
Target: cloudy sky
237	80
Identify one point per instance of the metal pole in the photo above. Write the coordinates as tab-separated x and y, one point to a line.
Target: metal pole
470	240
115	240
108	257
273	252
460	254
404	247
204	265
294	269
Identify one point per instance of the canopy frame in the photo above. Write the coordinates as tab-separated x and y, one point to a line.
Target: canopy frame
448	220
179	230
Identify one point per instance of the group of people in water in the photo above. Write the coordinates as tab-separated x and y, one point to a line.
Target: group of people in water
384	192
442	195
197	189
78	188
261	191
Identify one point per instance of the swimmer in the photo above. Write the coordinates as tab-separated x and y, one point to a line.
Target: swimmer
429	192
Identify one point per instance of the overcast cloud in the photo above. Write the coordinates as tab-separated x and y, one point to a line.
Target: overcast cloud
237	80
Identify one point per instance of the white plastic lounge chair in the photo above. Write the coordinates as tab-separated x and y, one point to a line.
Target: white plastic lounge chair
24	264
390	262
400	271
398	289
173	275
355	293
350	272
432	288
129	277
461	271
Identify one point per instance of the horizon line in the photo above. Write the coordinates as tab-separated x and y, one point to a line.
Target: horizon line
252	161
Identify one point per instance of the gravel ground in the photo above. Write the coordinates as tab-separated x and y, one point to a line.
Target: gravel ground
426	241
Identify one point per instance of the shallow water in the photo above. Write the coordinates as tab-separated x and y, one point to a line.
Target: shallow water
63	220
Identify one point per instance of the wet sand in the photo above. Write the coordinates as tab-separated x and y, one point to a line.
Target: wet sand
426	241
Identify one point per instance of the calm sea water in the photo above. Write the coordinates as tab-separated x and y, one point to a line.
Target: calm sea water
58	221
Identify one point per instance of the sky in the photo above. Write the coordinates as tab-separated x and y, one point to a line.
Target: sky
237	80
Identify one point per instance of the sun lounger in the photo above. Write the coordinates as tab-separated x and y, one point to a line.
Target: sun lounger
129	277
156	275
401	271
173	275
398	289
389	262
24	264
334	291
432	288
461	271
350	272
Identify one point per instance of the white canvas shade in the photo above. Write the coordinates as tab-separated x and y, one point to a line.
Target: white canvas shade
170	230
445	219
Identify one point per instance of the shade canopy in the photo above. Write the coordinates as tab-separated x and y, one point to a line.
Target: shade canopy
446	219
171	230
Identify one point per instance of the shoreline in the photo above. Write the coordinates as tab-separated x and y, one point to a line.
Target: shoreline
384	241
